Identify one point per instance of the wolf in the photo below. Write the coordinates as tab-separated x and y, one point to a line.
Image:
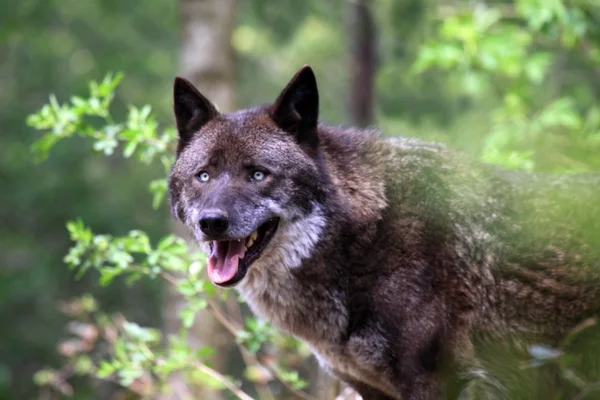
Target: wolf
390	258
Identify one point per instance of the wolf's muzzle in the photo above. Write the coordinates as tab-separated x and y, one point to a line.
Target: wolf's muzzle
214	222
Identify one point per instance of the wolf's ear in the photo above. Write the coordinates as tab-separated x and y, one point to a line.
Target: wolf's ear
296	110
192	109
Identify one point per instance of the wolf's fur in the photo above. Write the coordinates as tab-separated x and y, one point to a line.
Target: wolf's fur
391	256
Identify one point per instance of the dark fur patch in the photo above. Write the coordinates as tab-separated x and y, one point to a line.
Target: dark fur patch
420	247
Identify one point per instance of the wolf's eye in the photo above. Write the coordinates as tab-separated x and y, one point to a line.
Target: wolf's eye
203	176
258	176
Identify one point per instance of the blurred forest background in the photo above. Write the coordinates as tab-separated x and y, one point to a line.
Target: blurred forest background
511	82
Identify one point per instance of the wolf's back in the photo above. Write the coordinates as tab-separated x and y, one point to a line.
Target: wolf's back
531	242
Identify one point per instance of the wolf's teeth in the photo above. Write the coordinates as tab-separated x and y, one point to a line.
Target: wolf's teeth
251	239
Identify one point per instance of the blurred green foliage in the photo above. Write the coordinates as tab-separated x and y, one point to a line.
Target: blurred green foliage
57	47
539	121
513	82
132	356
139	132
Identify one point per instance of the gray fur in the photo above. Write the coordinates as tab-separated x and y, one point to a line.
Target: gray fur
392	257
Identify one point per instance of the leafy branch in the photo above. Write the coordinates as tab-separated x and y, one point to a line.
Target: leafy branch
91	118
131	355
512	58
133	257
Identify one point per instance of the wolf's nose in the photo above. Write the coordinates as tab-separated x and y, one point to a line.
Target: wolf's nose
214	222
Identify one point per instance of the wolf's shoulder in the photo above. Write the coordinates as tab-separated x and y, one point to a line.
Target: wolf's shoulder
370	143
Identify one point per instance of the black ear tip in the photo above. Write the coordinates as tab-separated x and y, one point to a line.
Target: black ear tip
180	83
306	71
305	77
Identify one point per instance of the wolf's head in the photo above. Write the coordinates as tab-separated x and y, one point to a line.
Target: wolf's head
249	184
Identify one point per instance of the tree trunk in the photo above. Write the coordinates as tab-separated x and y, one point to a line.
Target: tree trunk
361	30
207	60
361	33
206	56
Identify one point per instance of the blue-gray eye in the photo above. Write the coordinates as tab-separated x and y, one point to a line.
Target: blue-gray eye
259	176
203	176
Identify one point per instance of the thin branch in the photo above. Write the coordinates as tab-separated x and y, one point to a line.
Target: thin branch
60	377
226	382
218	314
299	393
169	278
249	359
233	328
252	357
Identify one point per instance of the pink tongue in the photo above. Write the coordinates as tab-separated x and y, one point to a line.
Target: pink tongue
223	262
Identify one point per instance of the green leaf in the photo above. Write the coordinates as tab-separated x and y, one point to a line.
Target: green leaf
44	377
145	112
128	375
205	352
129	149
41	147
293	377
159	189
106	145
147	335
166	242
83	365
536	67
188	313
105	370
109	84
107	275
88	303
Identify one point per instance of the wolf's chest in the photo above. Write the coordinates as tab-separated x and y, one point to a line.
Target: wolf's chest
318	316
312	321
312	311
